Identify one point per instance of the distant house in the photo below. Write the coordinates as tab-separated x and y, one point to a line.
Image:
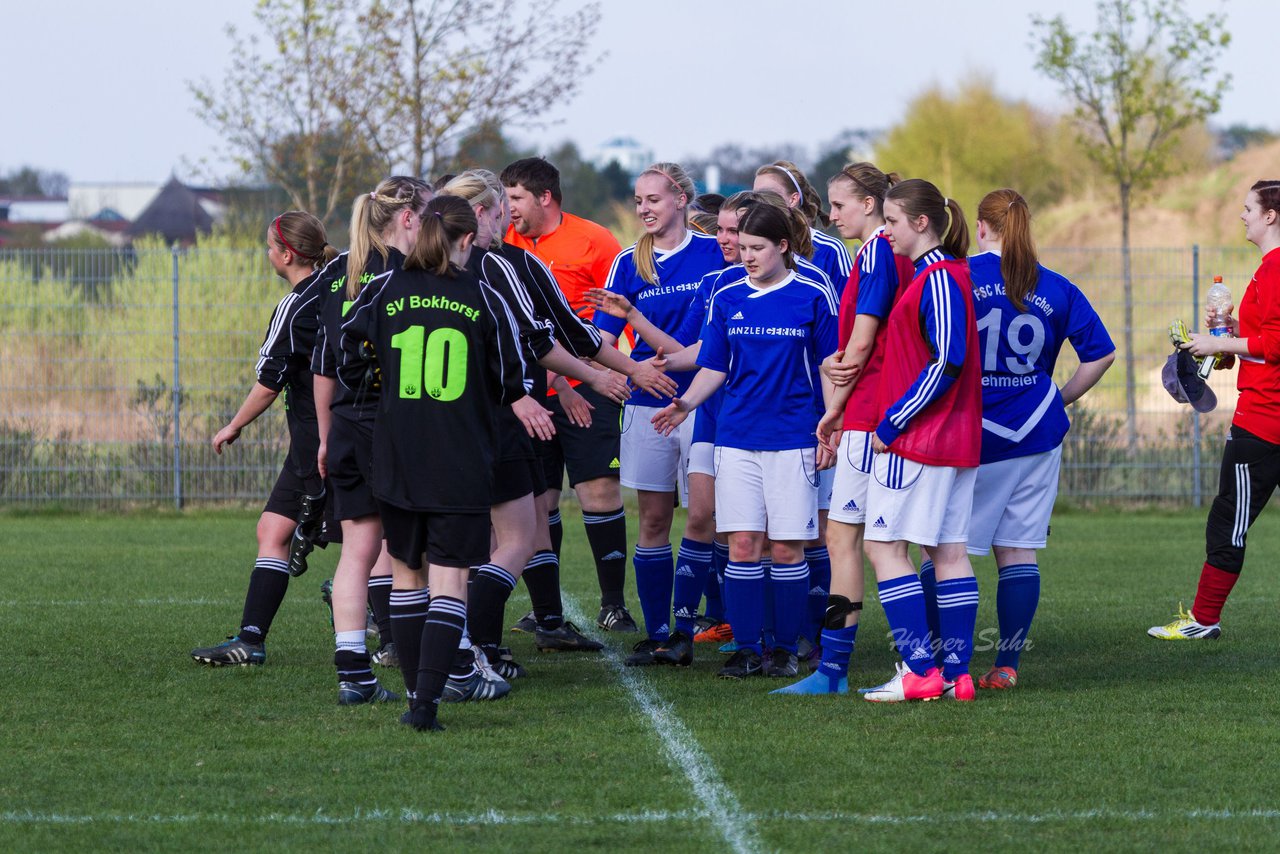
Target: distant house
626	152
176	213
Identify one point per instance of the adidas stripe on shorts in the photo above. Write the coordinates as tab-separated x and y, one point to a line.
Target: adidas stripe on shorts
852	473
1012	502
921	504
771	491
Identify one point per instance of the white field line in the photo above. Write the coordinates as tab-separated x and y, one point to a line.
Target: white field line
683	751
112	603
493	818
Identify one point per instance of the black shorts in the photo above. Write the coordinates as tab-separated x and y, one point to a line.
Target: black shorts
514	479
447	539
587	454
286	500
350	462
514	442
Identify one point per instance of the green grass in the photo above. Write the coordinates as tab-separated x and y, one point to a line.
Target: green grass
114	739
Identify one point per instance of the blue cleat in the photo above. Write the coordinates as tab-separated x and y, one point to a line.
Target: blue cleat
816	683
728	649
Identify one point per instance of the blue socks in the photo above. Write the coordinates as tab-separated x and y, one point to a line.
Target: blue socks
715	582
744	603
929	584
904	608
1017	595
693	565
654	572
837	649
790	603
957	614
819	583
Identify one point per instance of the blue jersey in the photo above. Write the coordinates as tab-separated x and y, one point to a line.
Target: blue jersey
1022	410
769	341
877	278
695	321
679	271
832	257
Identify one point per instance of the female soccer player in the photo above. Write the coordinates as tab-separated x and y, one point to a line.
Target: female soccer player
1251	459
927	447
659	274
764	334
828	254
1025	312
296	247
384	227
857	209
448	355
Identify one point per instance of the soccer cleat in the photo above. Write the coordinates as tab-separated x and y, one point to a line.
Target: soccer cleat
326	596
1185	627
616	618
355	694
816	683
899	667
567	638
961	688
728	648
703	623
422	719
677	650
231	651
644	653
386	656
476	686
809	654
999	679
370	626
783	663
526	625
503	663
742	664
908	686
714	633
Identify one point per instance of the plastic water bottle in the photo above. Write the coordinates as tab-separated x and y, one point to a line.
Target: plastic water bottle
1218	302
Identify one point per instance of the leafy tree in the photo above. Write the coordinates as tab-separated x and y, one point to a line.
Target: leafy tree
1146	74
1237	137
29	181
291	106
448	67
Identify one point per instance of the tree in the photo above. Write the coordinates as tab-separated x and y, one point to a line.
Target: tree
29	181
1135	87
291	105
973	141
449	67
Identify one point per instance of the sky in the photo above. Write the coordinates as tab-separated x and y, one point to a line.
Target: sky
100	91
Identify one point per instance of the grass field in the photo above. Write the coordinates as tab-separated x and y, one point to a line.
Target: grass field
113	739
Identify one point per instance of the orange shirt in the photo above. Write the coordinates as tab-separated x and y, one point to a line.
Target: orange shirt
579	253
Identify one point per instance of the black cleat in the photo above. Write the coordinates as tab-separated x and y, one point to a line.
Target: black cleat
231	651
526	625
386	656
782	663
423	720
644	653
567	638
742	664
616	618
677	650
355	694
503	663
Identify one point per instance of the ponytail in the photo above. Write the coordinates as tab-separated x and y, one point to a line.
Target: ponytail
956	241
681	185
1006	213
370	215
302	234
946	218
448	219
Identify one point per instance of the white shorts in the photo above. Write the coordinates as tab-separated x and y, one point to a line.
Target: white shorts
647	459
853	471
921	504
771	491
826	480
702	459
1012	502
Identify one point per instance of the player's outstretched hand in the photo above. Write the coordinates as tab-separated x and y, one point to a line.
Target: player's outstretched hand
830	429
840	374
535	418
670	417
649	376
576	407
611	385
226	436
607	301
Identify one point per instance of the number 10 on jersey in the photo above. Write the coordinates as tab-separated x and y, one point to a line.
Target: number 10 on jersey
436	362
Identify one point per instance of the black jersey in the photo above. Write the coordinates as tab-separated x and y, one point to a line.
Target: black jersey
331	310
448	356
549	306
284	365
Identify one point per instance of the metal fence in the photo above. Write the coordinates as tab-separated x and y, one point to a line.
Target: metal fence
118	366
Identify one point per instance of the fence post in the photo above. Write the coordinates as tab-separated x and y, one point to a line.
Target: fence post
177	392
1197	499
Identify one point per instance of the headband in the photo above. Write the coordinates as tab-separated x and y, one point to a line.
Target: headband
785	171
285	241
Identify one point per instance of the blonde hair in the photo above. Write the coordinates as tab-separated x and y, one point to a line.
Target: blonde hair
681	185
370	216
472	188
790	176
